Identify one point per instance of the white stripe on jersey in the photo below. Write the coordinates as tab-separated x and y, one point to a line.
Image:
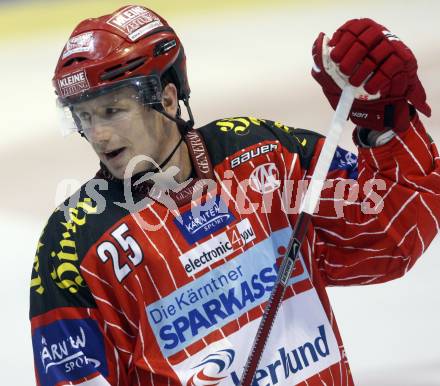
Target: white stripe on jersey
392	186
292	168
355	277
131	293
334	265
282	202
421	240
119	328
141	335
150	207
235	202
411	154
406	234
337	235
421	139
362	170
430	212
418	186
96	276
99	299
263	203
374	158
158	251
115	352
350	247
346	221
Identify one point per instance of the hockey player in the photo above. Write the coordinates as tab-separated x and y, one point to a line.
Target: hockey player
157	271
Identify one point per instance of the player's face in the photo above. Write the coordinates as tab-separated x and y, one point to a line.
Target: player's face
119	128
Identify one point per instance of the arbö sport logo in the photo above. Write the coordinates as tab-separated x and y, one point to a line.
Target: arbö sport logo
69	349
212	368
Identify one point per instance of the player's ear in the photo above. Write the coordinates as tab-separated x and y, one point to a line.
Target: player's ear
169	99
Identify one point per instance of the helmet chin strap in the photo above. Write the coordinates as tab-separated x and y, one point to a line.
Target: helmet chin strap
166	160
182	125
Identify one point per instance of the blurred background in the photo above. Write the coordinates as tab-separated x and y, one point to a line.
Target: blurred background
247	57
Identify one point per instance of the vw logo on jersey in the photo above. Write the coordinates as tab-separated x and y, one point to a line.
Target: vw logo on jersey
211	368
265	178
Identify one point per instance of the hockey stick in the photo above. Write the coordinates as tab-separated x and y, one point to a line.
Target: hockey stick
306	211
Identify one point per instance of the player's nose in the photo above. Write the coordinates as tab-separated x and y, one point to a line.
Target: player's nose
98	132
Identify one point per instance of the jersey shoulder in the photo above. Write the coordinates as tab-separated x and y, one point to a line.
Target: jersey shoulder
224	137
72	228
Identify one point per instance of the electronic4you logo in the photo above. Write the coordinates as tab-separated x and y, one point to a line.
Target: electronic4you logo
212	368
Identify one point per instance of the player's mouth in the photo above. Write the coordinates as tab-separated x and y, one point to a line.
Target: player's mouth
111	155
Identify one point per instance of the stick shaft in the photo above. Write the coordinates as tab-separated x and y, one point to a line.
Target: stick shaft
328	150
307	208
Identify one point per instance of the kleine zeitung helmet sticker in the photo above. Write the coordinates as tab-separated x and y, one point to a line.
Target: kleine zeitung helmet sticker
79	43
73	83
135	22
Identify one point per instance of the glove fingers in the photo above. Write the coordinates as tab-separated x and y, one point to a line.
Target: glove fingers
381	52
399	85
392	65
381	80
317	51
341	49
362	72
354	41
371	37
378	82
350	62
341	31
383	68
335	38
417	97
358	26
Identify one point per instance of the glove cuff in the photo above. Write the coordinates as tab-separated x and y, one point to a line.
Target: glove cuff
367	138
381	115
384	114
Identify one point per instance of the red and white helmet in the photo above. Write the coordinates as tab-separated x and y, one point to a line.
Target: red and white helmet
133	45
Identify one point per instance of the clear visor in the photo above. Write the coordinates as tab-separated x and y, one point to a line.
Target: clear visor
112	105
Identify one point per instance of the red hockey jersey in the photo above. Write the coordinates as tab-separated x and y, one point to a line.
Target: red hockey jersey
170	289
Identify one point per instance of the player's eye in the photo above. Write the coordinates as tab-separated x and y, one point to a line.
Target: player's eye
84	116
111	111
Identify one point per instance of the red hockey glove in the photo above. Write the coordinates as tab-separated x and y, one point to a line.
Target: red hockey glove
369	57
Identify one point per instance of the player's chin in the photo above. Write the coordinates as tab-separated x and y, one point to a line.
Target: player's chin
117	169
115	172
127	166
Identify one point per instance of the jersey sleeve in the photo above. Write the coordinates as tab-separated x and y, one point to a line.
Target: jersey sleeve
68	335
378	214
